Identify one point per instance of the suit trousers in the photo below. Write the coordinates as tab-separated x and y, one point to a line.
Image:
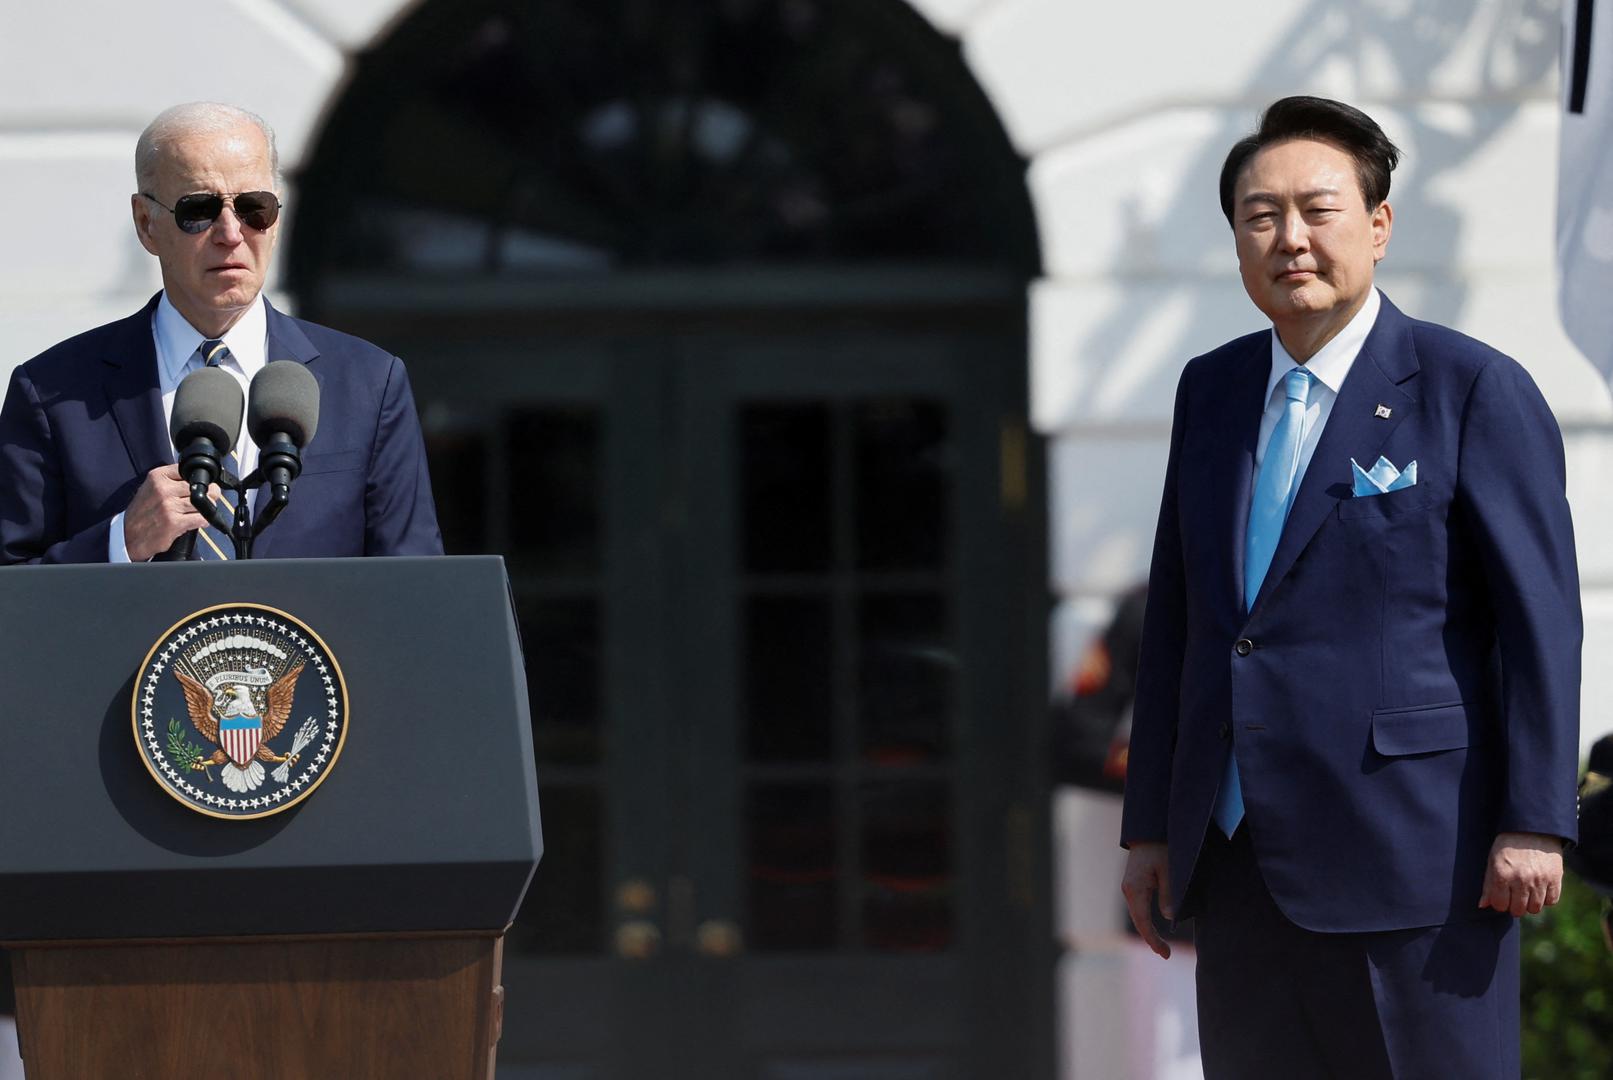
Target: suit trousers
1281	1002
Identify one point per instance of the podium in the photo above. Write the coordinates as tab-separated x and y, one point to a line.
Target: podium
356	933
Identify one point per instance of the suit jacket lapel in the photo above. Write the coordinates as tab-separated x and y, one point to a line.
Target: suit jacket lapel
1379	376
286	341
134	395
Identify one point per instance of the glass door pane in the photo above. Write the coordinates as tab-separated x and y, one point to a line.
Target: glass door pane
831	502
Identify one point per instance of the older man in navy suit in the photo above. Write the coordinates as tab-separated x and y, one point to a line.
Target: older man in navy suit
87	470
1354	743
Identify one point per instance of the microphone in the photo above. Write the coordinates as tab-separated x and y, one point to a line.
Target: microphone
281	416
205	423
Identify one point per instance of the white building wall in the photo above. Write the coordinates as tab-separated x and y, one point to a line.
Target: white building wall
79	79
1124	111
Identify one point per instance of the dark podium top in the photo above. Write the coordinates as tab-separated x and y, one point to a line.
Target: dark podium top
427	822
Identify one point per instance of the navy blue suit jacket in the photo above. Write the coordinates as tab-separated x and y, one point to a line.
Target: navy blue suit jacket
82	425
1409	686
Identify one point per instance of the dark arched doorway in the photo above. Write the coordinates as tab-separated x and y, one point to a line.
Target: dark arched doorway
715	311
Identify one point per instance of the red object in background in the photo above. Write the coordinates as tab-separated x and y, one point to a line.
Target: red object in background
1114	764
1092	723
1092	674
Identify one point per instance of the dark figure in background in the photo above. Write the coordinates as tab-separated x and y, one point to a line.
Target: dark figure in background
1092	721
1091	737
1592	858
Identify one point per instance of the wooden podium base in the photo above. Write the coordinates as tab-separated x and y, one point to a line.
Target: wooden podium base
269	1008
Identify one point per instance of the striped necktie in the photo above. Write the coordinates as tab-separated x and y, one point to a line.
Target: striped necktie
213	543
1268	510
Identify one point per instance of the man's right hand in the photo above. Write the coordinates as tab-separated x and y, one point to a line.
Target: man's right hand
1148	875
159	514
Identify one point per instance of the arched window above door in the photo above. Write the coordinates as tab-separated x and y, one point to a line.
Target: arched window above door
520	140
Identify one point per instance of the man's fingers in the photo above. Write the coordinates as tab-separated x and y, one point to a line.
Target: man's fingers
1488	897
1137	908
1543	894
1142	918
159	513
182	512
1497	896
1524	874
1146	877
1161	947
1554	891
1138	896
1520	895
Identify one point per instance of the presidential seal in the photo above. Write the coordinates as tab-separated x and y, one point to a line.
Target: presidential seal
240	711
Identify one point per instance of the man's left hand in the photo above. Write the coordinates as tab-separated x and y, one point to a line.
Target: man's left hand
1525	873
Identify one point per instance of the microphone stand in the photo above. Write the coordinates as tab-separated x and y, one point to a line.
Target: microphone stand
241	531
237	527
279	463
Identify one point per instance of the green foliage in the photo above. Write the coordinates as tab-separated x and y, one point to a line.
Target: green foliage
181	751
1567	990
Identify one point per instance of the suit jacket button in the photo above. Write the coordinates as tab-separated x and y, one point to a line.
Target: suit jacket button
1244	647
1226	731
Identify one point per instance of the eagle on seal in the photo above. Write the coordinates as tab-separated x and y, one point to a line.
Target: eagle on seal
232	720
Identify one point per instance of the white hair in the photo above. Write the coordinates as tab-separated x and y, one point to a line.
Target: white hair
194	118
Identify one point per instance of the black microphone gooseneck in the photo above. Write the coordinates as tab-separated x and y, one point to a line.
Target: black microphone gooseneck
282	415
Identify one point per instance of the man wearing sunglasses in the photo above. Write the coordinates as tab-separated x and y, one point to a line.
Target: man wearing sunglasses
87	470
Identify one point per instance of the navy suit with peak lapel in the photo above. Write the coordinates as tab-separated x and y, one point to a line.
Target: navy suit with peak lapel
1406	683
82	425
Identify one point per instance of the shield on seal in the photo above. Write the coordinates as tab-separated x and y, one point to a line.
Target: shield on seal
239	737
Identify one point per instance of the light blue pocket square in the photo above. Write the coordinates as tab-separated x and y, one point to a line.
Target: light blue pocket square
1383	478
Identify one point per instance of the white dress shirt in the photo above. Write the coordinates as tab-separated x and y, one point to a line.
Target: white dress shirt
1328	369
177	341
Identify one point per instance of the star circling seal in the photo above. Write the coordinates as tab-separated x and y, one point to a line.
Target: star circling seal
240	711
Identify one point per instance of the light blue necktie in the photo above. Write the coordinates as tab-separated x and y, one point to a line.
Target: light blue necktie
212	543
1274	495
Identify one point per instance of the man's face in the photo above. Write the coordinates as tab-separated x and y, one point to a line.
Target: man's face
1307	242
213	276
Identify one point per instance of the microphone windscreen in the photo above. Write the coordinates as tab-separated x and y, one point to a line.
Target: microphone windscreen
207	405
285	399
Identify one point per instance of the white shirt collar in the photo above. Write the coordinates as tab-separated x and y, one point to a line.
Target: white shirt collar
1332	361
177	340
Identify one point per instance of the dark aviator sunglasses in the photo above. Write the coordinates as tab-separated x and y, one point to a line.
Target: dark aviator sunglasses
196	213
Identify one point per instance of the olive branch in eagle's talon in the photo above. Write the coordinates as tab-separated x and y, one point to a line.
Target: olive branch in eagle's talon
182	752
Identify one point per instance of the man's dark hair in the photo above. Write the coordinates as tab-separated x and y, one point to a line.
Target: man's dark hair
1301	117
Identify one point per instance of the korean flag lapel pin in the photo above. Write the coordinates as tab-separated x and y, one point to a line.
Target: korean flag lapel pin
1382	412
